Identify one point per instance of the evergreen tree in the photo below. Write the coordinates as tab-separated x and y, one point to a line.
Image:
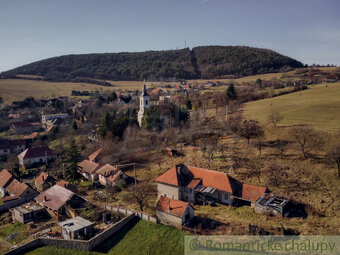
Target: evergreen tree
231	93
189	104
74	125
72	160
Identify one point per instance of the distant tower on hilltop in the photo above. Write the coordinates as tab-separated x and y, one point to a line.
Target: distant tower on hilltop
144	103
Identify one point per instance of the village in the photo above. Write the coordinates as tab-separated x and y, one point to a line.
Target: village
66	161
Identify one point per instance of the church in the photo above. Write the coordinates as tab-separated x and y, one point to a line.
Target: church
169	114
144	103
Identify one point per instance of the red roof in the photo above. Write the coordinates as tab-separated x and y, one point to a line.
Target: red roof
155	91
172	206
16	188
107	170
114	176
22	124
36	152
10	198
63	183
251	192
55	197
94	155
209	178
88	166
5	178
42	178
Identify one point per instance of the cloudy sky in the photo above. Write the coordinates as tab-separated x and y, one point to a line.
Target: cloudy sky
30	30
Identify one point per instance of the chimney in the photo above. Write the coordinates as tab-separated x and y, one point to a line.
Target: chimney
179	169
43	178
45	198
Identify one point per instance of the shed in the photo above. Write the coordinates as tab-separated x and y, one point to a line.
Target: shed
76	228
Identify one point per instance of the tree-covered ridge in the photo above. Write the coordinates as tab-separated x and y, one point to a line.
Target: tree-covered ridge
215	61
200	62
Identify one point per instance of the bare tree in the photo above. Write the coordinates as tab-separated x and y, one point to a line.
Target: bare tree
307	140
260	142
255	164
275	118
250	129
140	194
334	154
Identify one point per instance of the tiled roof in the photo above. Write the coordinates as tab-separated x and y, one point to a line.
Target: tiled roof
22	124
5	178
106	170
55	197
114	176
36	152
88	166
16	188
7	144
172	206
209	178
251	192
94	155
62	183
43	177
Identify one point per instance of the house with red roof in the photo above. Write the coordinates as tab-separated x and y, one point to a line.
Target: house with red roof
94	156
44	181
36	155
60	201
14	193
109	175
89	169
173	212
193	184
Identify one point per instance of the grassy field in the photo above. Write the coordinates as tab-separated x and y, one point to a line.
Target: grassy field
142	237
319	106
9	229
18	89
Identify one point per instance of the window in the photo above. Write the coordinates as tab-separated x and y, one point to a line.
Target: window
146	102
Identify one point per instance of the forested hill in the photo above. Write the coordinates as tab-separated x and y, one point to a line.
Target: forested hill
200	62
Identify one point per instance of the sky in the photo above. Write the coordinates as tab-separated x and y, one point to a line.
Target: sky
31	30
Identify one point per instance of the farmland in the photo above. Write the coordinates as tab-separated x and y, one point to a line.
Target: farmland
18	89
318	106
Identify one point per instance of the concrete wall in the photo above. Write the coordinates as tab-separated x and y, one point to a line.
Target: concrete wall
73	244
168	219
169	191
140	215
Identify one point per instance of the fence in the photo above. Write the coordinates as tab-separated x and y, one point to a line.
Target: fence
73	244
140	215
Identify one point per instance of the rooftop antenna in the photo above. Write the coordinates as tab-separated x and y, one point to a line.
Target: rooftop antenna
185	44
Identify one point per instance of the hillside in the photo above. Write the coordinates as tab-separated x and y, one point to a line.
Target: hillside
200	62
317	106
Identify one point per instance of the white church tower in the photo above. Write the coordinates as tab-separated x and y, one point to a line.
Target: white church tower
144	103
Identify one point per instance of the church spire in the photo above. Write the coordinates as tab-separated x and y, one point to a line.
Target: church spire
144	91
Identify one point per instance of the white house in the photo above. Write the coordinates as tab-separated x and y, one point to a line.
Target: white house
37	155
47	117
173	212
